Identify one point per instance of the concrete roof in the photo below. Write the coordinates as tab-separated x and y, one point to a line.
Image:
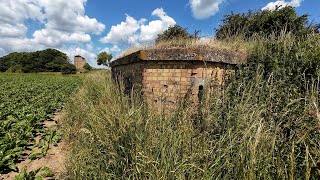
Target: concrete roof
79	56
183	54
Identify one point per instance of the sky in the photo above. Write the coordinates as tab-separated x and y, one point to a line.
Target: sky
87	27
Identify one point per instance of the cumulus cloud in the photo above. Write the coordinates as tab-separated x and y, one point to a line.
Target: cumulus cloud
55	38
115	48
89	46
281	3
69	16
202	9
106	49
122	32
135	32
13	30
12	16
9	44
64	23
15	11
69	25
149	32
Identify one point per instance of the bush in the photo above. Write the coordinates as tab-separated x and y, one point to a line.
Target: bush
104	58
68	69
174	33
49	60
87	67
264	23
15	69
3	68
279	90
287	57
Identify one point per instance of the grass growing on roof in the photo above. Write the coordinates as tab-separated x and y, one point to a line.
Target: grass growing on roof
228	45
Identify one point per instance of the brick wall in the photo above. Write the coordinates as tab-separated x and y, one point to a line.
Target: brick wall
165	82
130	75
79	62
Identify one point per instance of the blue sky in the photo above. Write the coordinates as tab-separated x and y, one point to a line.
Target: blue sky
87	27
113	13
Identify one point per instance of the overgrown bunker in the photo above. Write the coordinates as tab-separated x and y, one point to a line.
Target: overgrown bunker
166	75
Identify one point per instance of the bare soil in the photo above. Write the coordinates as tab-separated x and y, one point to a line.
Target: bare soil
55	158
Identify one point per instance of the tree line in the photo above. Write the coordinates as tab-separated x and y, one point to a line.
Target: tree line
282	20
49	60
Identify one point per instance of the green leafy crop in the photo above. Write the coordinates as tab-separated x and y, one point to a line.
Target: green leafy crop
25	101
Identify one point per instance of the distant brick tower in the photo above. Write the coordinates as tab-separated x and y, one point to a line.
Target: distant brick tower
79	62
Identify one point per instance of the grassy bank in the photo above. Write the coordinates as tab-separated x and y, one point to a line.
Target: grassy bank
265	126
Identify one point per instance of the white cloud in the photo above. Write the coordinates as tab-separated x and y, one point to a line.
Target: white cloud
273	5
12	16
65	24
135	32
69	16
15	11
55	38
202	9
115	48
9	44
149	32
11	30
106	49
89	46
122	32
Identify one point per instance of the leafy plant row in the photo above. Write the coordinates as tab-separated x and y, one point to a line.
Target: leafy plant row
25	101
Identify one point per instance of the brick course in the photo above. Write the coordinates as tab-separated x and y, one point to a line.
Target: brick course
79	62
164	82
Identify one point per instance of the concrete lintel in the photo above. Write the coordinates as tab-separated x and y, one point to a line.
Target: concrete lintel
183	54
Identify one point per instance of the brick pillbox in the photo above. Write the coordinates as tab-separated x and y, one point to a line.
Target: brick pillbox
166	75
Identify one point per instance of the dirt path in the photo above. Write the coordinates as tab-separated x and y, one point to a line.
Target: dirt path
54	159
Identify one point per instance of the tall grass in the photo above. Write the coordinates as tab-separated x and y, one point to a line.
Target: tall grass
264	125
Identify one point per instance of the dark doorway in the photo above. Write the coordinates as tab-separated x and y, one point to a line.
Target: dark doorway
200	94
128	85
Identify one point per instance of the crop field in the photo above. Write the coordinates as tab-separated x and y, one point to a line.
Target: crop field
25	101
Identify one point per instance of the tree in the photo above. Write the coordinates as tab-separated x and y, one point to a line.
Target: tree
87	67
104	58
49	60
68	69
174	32
263	22
316	28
